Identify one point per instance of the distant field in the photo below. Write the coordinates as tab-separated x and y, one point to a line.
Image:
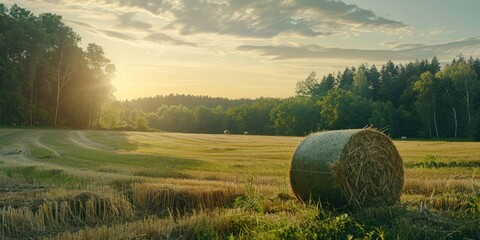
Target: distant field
98	184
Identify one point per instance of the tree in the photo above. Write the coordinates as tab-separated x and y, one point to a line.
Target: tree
295	116
458	82
373	79
382	116
450	94
389	90
464	80
42	70
204	119
360	83
305	87
342	109
345	79
328	83
64	54
254	118
426	103
99	86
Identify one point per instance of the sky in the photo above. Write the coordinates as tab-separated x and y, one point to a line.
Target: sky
260	48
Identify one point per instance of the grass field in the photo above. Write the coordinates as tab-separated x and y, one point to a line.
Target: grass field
62	184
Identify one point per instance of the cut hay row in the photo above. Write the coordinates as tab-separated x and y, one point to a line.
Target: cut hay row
83	209
160	198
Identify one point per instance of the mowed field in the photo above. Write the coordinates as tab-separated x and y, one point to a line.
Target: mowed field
68	184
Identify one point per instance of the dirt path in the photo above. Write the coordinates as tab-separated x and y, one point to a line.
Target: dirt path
81	140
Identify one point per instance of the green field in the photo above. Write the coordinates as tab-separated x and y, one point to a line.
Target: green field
65	184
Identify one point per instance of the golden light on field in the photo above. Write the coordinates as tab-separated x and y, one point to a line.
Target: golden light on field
132	181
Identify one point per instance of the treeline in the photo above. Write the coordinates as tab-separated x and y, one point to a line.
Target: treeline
46	78
150	104
416	99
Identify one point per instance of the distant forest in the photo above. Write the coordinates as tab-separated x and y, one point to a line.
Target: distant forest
46	79
418	99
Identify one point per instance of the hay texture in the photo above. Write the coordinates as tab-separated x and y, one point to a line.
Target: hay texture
356	168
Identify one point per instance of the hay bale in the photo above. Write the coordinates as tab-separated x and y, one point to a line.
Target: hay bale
357	167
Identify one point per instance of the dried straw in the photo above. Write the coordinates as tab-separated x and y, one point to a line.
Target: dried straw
359	168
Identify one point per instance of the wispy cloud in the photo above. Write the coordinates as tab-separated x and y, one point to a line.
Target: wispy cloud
408	52
127	21
397	45
82	24
118	35
165	39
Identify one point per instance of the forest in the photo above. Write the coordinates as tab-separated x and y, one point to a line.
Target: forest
48	80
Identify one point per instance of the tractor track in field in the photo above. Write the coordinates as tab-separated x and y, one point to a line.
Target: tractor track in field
37	140
80	139
6	132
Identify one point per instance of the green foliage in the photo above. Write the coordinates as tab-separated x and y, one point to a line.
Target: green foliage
343	109
360	83
295	116
310	222
45	78
383	116
413	100
110	116
252	200
306	87
474	127
141	123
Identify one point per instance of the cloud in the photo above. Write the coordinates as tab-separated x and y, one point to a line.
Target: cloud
348	13
165	39
409	45
152	6
263	19
415	51
397	45
126	21
81	24
439	31
118	35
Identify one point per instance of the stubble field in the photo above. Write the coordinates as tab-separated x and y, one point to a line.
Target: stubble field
66	184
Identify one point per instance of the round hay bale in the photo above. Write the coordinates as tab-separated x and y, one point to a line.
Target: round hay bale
356	167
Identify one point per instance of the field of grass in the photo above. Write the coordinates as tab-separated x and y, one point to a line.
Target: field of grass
66	184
